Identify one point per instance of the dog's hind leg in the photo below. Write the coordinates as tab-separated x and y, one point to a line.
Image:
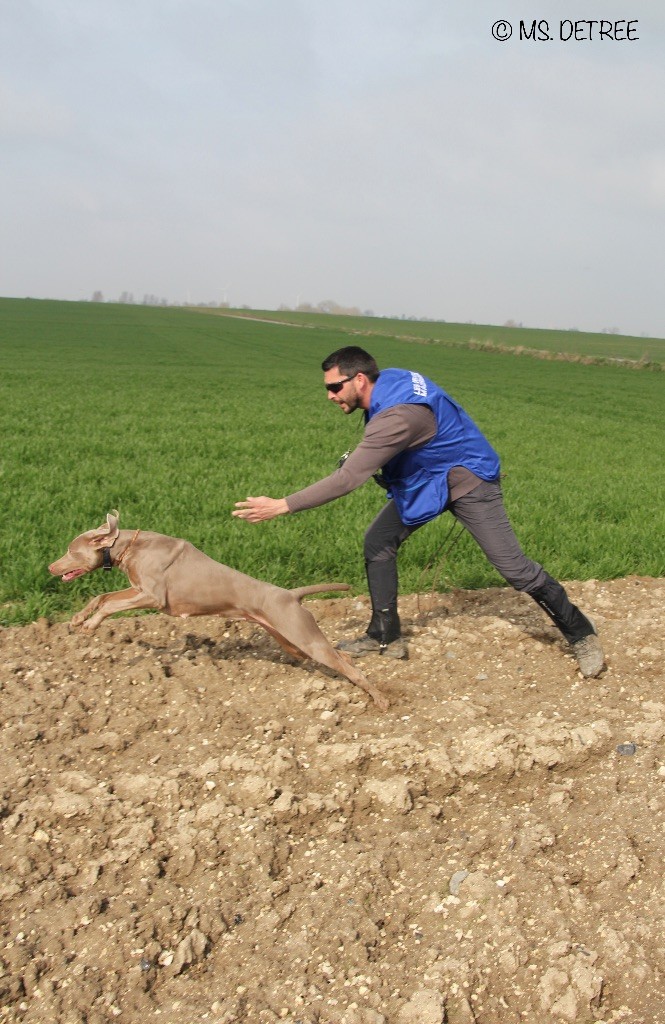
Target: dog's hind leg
285	644
299	634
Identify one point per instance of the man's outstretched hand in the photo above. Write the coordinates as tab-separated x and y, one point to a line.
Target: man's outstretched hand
257	510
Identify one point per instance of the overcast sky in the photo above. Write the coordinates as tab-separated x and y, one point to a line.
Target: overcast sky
385	154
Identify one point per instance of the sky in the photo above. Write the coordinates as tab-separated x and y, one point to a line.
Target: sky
390	155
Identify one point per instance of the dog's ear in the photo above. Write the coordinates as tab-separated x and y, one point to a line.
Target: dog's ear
105	535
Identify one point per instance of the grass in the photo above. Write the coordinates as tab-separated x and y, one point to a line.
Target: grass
172	416
573	344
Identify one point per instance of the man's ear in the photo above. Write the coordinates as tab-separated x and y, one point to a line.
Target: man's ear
106	535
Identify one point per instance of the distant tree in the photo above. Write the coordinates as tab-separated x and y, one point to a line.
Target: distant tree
97	297
328	306
334	308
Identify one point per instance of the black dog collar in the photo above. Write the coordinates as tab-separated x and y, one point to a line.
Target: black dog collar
107	563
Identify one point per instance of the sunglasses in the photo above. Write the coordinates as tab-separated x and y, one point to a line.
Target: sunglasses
337	386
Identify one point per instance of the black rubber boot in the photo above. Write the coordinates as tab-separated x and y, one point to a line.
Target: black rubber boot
384	626
566	616
382	581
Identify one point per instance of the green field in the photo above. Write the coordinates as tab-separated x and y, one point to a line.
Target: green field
576	344
171	416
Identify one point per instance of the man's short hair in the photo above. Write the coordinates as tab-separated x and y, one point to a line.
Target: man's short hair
352	360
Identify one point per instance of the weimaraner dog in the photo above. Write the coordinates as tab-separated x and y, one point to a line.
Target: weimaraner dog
175	577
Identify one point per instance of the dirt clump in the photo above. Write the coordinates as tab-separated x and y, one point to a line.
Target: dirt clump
194	827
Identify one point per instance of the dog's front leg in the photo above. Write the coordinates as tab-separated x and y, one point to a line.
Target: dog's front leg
81	616
107	604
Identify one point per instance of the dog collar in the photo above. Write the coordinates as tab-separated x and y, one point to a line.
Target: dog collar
106	553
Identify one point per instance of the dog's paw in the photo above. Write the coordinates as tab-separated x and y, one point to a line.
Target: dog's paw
381	702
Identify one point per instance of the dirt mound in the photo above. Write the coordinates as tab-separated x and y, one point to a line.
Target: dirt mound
196	828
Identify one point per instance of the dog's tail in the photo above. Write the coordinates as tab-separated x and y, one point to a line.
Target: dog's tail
318	588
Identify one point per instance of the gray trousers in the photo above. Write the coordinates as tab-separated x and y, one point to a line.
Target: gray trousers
482	513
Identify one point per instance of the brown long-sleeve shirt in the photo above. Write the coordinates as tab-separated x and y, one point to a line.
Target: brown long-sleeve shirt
387	434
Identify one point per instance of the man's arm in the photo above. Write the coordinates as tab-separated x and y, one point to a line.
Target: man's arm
386	435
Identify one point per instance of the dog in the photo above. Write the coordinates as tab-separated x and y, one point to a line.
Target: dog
177	578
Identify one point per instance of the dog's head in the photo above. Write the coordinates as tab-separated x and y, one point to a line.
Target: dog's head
86	552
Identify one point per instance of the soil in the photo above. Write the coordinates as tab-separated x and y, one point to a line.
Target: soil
194	827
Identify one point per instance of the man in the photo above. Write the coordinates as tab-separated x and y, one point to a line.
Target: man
432	458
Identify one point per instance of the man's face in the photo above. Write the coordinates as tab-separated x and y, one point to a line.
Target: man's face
347	398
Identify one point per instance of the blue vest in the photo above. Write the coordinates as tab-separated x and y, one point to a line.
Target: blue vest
418	479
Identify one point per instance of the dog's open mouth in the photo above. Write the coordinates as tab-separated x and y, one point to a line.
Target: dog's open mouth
67	576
